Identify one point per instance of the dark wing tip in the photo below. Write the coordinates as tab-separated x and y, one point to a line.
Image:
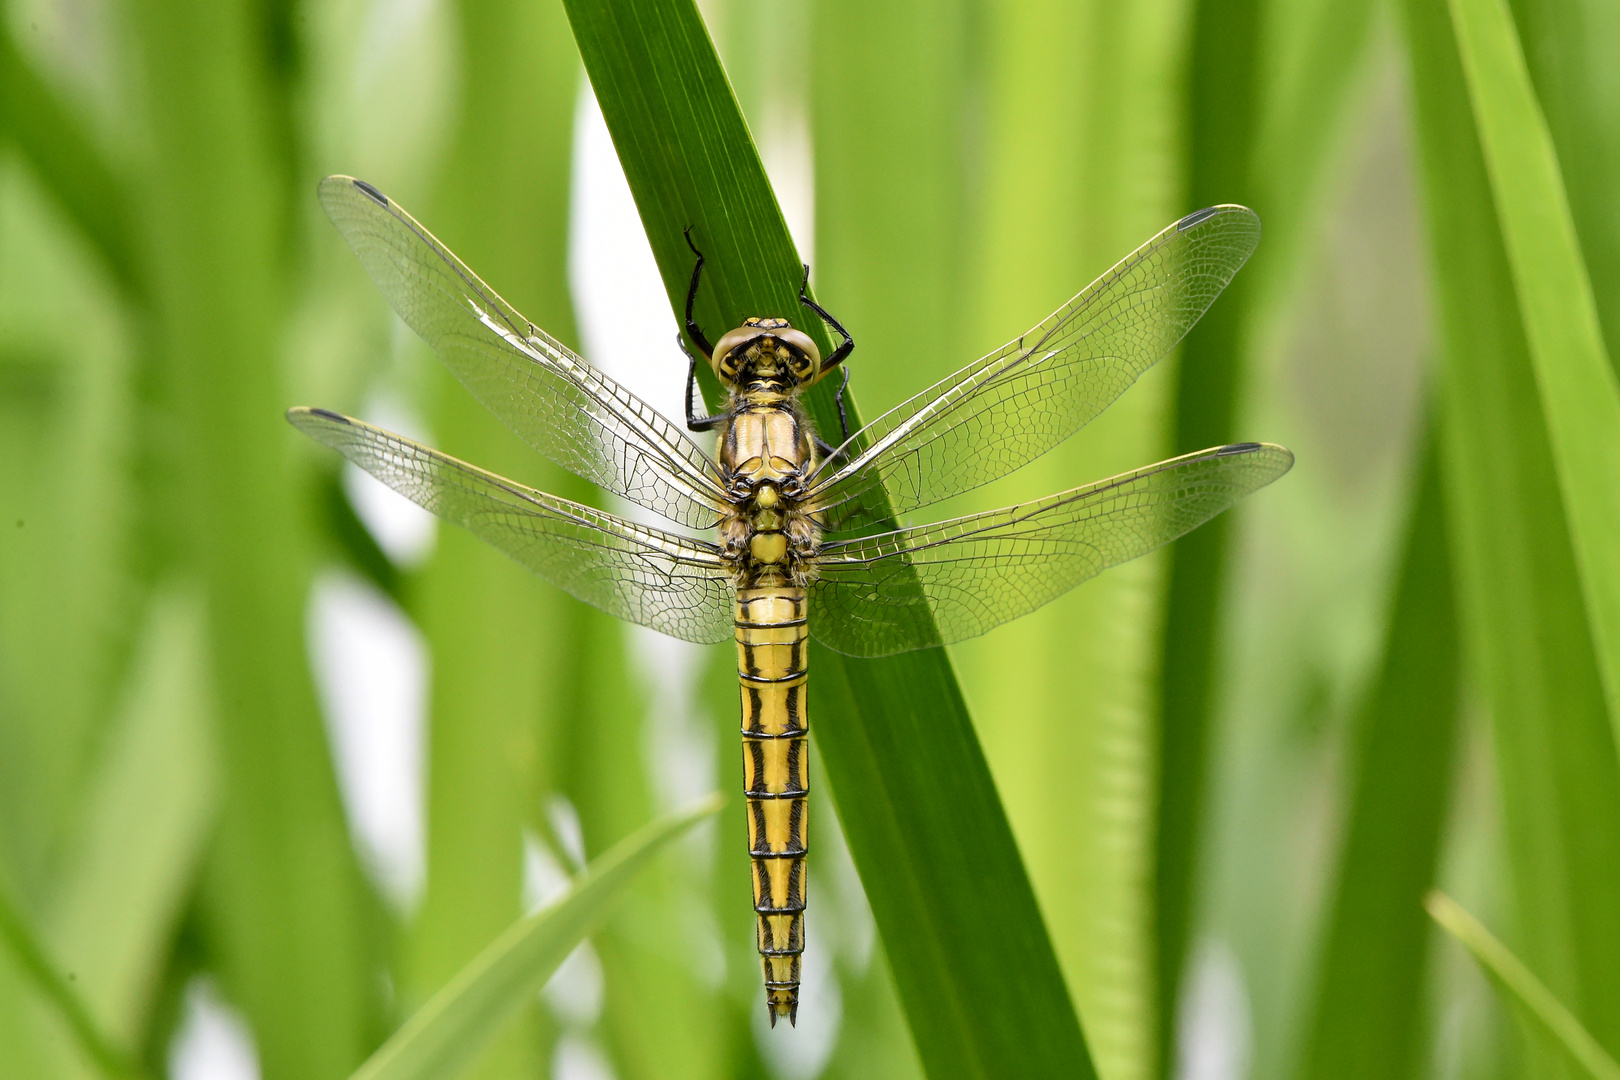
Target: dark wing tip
1196	216
1272	459
1275	460
299	412
330	185
378	197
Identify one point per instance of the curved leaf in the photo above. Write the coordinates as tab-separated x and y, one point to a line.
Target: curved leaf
1579	393
457	1021
1520	986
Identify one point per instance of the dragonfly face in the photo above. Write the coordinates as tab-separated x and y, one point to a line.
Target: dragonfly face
806	544
766	355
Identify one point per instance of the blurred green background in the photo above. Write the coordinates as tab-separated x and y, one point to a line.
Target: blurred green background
277	758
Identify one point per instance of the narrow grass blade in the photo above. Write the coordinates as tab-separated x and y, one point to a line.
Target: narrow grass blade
1223	124
471	1008
1519	985
504	643
30	955
147	815
892	103
1065	102
661	1019
1367	1019
976	972
1579	393
1318	65
287	914
1519	594
1569	48
59	148
1266	104
1077	168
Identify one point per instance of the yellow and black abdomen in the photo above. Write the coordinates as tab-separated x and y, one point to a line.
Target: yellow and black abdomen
772	648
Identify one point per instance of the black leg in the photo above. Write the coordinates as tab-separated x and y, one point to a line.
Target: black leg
694	422
838	399
691	296
841	353
823	447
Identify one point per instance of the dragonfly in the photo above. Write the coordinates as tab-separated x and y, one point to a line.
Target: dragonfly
779	536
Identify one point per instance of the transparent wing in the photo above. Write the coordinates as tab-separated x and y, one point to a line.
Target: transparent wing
1007	409
938	584
674	584
559	404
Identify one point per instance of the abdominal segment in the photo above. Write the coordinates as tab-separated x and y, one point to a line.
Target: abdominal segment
772	642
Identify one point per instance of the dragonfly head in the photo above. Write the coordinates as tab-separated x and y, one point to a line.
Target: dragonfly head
767	350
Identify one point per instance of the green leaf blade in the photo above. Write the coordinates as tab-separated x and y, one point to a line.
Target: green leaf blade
503	643
284	899
472	1006
1580	394
1368	1015
88	188
1520	986
119	904
975	969
1520	596
914	791
1223	124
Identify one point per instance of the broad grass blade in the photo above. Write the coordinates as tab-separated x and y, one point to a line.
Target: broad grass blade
978	978
1072	175
895	95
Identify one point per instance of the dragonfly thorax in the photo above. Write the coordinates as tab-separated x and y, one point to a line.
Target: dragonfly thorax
765	455
776	540
766	354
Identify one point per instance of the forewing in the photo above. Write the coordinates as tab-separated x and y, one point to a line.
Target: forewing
943	583
1007	409
676	585
558	403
